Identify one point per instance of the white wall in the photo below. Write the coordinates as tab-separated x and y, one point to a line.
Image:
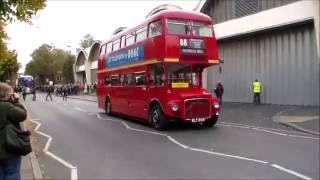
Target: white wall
292	13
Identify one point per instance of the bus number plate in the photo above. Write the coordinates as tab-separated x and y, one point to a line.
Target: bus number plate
197	120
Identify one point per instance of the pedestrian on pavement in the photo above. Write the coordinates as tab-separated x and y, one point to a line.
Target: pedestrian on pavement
33	92
219	91
88	88
11	111
24	93
256	88
64	92
49	91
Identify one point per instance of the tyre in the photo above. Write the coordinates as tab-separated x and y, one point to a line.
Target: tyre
157	119
211	122
107	107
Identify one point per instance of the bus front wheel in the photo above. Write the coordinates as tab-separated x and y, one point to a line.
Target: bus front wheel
157	119
108	107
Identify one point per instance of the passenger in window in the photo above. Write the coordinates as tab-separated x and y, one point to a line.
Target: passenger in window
139	81
159	80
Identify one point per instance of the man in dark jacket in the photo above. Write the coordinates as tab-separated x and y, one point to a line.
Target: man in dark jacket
219	91
11	111
49	91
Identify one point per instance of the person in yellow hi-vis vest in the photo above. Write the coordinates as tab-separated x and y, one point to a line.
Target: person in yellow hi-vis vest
256	88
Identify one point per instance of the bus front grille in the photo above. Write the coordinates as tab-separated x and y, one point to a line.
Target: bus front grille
197	108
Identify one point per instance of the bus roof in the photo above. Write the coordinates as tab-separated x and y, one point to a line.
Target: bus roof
179	14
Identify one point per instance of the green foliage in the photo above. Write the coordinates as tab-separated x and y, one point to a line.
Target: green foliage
11	10
48	62
67	71
87	41
21	10
9	65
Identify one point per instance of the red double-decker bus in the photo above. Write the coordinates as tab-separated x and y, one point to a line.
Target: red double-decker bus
153	72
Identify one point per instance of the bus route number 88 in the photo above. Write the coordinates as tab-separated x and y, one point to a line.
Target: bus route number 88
183	43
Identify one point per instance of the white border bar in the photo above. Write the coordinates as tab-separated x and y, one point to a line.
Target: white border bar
276	17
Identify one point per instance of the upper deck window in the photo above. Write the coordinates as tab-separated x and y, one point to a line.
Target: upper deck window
155	29
109	48
130	38
178	27
202	29
141	34
123	41
116	45
102	49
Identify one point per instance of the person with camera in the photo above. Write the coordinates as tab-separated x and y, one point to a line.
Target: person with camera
11	112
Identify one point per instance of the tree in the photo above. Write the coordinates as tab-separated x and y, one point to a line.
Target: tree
87	41
67	70
11	10
9	65
48	62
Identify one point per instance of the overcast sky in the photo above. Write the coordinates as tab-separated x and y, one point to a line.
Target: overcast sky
64	23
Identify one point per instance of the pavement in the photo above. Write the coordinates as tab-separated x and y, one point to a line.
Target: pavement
302	119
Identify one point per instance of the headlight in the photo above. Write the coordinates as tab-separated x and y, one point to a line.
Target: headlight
216	105
174	107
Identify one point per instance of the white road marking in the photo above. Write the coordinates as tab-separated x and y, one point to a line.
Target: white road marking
79	109
271	132
223	154
306	137
74	171
229	125
260	127
98	116
125	125
268	130
150	132
291	172
176	142
228	155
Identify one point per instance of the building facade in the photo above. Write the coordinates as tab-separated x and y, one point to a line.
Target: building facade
275	41
86	64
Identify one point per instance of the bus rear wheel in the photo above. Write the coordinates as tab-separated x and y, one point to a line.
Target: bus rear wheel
157	119
107	107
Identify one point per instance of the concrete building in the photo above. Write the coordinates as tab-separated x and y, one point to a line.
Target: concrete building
86	64
276	41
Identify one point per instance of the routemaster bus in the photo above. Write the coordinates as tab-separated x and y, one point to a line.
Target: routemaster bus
153	72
